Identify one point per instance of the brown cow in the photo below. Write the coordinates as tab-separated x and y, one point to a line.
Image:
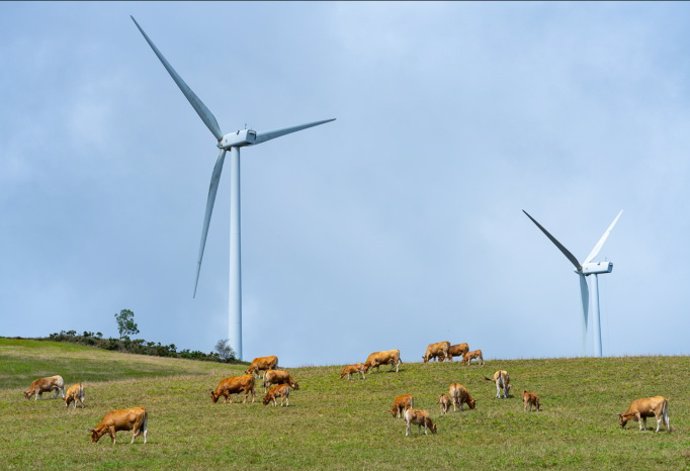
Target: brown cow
640	409
445	401
349	370
469	356
502	380
262	364
400	403
279	377
75	393
529	399
41	385
458	350
234	385
134	419
386	357
278	390
460	395
438	350
419	417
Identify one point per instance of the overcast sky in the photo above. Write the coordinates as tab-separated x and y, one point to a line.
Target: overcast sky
397	225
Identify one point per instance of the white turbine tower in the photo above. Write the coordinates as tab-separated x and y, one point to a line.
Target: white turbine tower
584	269
232	142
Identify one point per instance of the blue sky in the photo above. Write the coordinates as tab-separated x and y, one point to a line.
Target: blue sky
399	224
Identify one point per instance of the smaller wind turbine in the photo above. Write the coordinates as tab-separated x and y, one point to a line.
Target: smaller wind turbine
584	269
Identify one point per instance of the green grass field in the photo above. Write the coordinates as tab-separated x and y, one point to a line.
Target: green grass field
336	424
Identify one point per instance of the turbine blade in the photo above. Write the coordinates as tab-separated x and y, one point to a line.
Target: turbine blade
267	136
201	109
584	291
212	190
602	241
560	246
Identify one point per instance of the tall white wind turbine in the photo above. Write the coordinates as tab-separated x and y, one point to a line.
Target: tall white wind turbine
584	269
232	142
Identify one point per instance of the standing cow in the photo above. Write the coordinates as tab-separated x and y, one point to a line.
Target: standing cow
386	357
438	350
640	409
41	385
134	419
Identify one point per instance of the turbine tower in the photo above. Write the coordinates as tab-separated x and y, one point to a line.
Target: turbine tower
232	142
584	269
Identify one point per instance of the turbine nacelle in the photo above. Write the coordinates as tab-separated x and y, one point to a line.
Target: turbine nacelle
239	138
596	268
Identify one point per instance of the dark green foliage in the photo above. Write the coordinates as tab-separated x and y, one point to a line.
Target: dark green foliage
125	323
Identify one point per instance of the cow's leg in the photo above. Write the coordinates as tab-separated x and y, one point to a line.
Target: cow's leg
111	432
658	424
642	421
135	434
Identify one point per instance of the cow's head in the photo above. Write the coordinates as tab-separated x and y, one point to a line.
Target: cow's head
28	393
471	403
214	397
425	357
432	426
622	420
95	435
267	399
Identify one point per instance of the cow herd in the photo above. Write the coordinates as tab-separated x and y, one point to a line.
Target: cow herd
278	384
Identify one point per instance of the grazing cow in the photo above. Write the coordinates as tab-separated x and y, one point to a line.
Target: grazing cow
134	419
460	395
350	370
387	357
281	391
445	401
458	350
400	403
529	399
640	409
502	380
469	356
41	385
438	350
279	377
75	393
234	385
419	417
262	364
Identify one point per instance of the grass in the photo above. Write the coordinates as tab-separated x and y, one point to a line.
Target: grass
337	425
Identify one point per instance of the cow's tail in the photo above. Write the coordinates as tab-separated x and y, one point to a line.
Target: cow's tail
145	424
487	378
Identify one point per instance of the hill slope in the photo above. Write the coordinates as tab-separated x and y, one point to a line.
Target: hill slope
336	424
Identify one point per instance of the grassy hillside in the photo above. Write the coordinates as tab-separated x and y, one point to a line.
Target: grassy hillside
336	424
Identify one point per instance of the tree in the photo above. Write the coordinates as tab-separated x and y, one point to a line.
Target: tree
224	350
125	323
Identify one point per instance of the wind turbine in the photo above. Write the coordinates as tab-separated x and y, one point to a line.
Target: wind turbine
584	269
232	142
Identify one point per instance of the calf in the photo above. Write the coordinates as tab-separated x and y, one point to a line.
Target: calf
400	403
469	356
350	370
445	401
234	385
640	409
75	393
260	364
460	395
386	357
502	380
41	385
134	419
281	391
279	377
438	350
419	417
458	350
529	399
